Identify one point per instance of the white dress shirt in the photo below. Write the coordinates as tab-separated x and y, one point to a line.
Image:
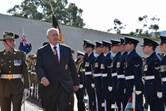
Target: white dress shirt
57	49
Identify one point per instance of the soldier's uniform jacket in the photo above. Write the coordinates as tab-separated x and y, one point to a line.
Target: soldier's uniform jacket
133	71
107	65
163	69
121	66
13	63
88	63
98	66
113	72
81	73
151	74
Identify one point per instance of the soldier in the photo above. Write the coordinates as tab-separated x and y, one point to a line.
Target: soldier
89	83
163	67
105	71
121	83
33	76
133	73
13	76
81	74
113	74
152	88
97	74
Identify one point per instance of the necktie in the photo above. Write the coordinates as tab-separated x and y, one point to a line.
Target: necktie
56	54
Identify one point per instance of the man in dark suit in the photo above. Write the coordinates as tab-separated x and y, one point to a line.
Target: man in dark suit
56	72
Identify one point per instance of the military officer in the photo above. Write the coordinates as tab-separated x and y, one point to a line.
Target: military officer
121	83
152	88
163	67
88	63
81	74
112	77
13	74
105	71
97	74
133	73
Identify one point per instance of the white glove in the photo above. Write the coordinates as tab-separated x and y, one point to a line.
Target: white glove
109	88
138	92
159	94
93	85
26	92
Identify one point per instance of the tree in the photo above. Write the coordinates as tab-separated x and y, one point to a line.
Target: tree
118	26
143	30
149	25
67	14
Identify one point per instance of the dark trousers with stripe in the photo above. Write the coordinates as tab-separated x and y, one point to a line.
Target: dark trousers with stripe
120	95
139	98
150	92
105	92
164	93
80	99
90	91
99	95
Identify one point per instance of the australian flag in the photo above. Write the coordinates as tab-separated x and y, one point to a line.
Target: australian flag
25	46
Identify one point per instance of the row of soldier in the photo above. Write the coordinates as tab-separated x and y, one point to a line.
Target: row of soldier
109	72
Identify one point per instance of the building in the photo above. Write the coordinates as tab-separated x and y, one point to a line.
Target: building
36	32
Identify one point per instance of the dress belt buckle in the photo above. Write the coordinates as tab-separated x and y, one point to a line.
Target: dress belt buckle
10	76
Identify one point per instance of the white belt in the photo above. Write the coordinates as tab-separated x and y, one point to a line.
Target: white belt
129	77
97	75
83	70
88	73
149	77
81	86
11	76
121	76
163	79
114	74
104	75
34	73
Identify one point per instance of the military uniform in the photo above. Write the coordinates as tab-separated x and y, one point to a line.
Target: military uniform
81	74
89	82
133	75
121	83
112	77
31	62
152	87
97	76
13	77
105	71
163	70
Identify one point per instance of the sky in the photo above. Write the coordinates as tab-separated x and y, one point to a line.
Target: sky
99	14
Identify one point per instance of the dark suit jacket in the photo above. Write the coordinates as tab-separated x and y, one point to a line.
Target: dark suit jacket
61	74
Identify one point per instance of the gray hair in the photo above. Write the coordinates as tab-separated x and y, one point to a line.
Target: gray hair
52	29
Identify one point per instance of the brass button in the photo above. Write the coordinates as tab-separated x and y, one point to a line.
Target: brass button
10	72
10	66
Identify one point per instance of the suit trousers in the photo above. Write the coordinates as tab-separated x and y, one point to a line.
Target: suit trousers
54	99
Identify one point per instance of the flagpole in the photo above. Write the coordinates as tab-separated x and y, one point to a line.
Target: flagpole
134	98
51	7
